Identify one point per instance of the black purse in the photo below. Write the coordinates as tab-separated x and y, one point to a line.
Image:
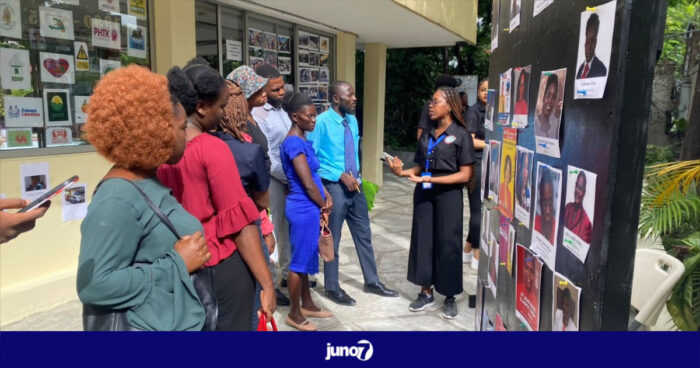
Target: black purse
103	319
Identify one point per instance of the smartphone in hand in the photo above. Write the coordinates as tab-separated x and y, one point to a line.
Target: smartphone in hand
50	194
386	157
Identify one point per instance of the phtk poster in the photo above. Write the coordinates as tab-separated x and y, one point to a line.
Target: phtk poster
106	34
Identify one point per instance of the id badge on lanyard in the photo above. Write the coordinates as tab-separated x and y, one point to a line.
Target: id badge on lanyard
431	146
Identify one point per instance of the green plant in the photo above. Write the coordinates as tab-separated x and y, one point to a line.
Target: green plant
670	209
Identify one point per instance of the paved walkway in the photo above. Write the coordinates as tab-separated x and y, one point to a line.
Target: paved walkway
391	230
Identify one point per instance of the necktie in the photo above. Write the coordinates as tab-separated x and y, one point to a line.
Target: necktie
585	71
350	163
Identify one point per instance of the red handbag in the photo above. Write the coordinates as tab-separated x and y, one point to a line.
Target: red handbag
262	324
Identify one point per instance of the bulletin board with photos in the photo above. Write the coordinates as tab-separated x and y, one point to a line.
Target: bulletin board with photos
52	54
559	176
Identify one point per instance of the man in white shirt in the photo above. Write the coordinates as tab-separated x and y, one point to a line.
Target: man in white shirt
275	124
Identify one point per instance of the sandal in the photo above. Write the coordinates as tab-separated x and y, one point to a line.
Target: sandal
304	326
316	314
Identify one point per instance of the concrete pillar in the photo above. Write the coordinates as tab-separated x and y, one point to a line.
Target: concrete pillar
373	117
345	56
174	31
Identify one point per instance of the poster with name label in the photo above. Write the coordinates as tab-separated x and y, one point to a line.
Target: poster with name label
59	136
57	107
550	104
11	19
82	59
107	66
80	104
504	98
108	5
495	18
514	15
594	45
507	175
74	202
137	45
106	34
523	187
56	23
578	211
57	68
23	112
547	205
566	300
15	69
521	94
137	8
528	279
490	109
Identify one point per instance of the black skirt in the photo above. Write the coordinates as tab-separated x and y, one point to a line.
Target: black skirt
435	257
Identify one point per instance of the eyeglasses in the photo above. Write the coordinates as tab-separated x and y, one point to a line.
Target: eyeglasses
436	102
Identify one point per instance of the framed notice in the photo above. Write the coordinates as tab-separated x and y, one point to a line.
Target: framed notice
57	107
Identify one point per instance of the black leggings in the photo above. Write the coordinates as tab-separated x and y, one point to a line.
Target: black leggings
235	291
475	208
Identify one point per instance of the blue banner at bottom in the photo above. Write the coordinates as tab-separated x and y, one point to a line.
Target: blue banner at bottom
349	349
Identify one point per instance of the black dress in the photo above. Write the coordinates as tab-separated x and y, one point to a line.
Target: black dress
435	256
475	125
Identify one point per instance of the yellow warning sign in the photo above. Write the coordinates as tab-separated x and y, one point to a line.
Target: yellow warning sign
82	60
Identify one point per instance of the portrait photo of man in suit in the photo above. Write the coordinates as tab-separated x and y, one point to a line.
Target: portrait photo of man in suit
591	67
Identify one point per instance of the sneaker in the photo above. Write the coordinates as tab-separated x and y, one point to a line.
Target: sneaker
450	308
423	301
467	257
475	264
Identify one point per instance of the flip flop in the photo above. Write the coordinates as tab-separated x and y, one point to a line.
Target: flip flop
304	326
312	314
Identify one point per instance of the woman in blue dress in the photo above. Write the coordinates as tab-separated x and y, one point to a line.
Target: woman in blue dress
307	202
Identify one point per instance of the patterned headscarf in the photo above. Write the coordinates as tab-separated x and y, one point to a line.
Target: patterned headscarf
246	78
235	113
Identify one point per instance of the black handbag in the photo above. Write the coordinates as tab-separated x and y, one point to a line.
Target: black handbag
103	319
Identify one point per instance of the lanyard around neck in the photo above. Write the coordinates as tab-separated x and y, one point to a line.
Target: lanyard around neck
432	143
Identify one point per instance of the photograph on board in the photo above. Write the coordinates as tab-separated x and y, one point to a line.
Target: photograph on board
494	169
521	89
578	211
504	98
547	203
490	109
514	15
528	277
594	48
495	19
255	37
550	103
523	185
284	43
566	300
541	5
507	175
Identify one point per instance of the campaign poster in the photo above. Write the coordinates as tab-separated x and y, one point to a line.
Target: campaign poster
566	299
80	104
106	34
523	184
57	68
57	107
137	44
528	277
23	112
507	174
484	168
514	15
550	104
541	5
594	48
495	20
578	211
547	202
107	66
504	98
494	169
137	8
521	100
56	23
11	19
82	59
15	70
490	109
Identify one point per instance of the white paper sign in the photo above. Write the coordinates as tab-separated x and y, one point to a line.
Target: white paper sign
57	68
107	66
108	5
74	201
33	179
540	5
80	105
11	19
56	23
595	44
106	34
137	45
233	50
15	66
58	136
82	58
23	112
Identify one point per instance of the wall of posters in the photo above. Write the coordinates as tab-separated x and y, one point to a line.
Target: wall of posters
528	278
11	19
106	34
547	202
550	103
23	112
521	96
506	180
57	68
57	107
595	43
15	69
523	188
56	23
137	44
578	211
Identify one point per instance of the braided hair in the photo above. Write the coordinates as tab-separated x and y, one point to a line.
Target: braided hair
235	113
455	103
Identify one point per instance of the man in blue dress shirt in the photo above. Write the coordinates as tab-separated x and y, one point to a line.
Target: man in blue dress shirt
336	140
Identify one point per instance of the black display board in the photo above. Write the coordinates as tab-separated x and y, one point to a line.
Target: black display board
606	136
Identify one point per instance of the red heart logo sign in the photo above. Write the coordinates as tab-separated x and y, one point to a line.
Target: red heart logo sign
56	67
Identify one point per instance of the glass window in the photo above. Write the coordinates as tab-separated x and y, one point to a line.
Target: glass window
52	53
232	39
206	32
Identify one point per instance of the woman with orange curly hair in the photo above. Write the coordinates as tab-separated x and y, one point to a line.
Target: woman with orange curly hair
207	183
130	261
